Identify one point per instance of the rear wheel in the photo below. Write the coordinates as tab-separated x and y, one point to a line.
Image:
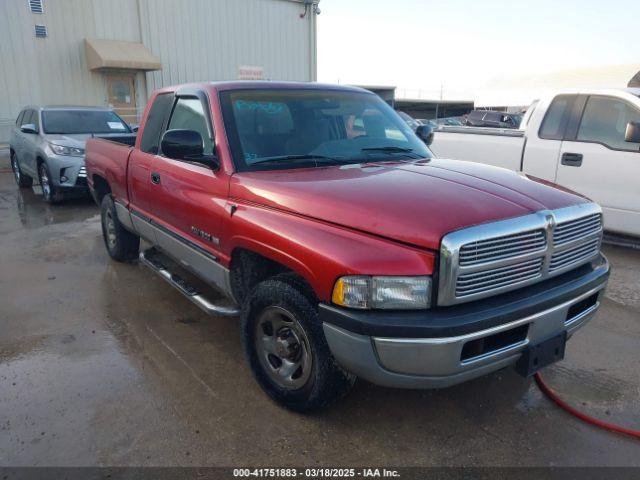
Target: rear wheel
50	193
23	181
121	244
286	347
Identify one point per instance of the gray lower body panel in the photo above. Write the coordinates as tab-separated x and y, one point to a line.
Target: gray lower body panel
438	362
191	257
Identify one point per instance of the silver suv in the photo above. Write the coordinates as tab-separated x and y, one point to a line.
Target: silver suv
47	143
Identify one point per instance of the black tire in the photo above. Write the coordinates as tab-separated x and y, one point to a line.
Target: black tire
325	381
23	180
121	244
50	193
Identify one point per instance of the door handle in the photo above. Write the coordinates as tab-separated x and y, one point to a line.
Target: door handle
571	159
155	178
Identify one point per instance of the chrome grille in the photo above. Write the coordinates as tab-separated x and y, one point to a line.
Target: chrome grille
508	246
566	232
486	280
574	255
82	172
497	257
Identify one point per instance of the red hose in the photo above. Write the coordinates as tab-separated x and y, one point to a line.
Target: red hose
582	416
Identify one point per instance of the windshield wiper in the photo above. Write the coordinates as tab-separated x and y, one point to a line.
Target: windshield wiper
408	152
287	158
388	148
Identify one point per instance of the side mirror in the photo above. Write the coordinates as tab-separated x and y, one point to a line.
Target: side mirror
425	133
134	127
632	133
28	128
186	145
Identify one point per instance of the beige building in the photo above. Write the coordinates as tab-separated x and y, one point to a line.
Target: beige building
116	52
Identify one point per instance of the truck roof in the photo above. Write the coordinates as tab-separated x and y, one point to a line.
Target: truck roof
263	84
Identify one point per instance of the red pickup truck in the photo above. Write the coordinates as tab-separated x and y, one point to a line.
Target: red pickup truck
346	248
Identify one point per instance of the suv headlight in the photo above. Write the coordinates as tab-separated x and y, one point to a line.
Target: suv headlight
69	151
389	293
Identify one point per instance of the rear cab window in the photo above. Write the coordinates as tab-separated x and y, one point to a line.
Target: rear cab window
156	118
555	120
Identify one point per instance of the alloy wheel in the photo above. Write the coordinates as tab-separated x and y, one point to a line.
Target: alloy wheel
44	182
16	168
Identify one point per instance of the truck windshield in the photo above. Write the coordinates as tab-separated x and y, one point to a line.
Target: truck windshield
295	128
82	121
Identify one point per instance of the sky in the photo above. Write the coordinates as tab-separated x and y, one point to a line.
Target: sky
453	44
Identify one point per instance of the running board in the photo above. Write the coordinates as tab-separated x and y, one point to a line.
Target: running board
150	259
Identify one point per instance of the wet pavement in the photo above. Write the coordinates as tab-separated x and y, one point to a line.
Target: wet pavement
104	364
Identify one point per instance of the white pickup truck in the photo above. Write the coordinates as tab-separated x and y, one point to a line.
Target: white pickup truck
586	141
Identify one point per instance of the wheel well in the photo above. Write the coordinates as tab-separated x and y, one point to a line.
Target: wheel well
100	188
249	268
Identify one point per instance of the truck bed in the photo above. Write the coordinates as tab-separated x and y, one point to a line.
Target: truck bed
124	138
501	147
108	158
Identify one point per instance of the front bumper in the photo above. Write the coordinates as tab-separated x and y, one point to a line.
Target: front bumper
446	346
67	172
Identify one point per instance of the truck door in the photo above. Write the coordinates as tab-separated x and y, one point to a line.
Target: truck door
141	193
596	161
190	199
545	131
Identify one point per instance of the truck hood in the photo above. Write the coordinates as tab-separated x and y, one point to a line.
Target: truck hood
411	202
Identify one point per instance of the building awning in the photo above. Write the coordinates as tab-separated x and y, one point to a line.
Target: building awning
104	54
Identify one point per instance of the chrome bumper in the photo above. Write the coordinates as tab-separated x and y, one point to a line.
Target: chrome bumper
438	362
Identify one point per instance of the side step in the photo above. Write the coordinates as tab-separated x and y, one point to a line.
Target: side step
151	260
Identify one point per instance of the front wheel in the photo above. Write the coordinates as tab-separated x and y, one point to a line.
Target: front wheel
50	193
23	181
121	244
286	347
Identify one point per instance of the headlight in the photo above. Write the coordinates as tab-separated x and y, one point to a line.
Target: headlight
69	151
390	293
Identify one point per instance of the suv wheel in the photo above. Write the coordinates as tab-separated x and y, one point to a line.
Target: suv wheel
23	181
286	347
50	193
121	244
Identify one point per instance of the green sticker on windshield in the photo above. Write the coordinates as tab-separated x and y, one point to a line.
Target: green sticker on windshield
266	107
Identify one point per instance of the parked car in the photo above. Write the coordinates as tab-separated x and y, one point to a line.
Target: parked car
587	141
409	120
47	144
452	121
347	255
428	121
488	118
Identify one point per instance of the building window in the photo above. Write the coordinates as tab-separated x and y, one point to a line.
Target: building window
41	31
36	6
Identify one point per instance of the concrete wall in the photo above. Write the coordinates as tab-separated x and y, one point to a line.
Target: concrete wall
196	40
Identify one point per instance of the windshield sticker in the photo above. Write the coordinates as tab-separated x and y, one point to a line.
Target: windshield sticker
250	156
115	125
267	107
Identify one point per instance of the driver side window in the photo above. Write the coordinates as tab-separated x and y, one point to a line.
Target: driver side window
605	121
188	114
